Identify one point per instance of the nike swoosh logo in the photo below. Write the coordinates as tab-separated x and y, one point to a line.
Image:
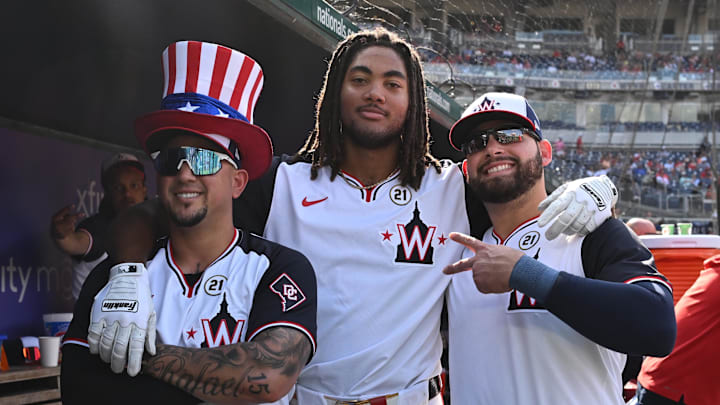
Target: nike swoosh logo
306	203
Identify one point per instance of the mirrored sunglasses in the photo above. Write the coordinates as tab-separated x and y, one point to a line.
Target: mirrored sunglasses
480	139
202	162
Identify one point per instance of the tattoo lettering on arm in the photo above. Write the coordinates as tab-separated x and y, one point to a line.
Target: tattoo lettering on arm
263	370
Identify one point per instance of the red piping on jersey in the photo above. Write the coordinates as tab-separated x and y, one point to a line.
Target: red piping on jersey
502	241
182	275
369	191
280	323
76	341
368	194
650	278
353	177
232	243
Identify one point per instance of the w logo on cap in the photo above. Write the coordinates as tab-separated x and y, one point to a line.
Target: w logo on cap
485	104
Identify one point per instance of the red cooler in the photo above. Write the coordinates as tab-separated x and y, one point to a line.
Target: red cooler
680	257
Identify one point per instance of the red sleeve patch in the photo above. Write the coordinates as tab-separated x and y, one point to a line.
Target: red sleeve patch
290	294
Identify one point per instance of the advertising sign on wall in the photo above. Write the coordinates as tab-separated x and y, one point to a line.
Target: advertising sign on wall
39	175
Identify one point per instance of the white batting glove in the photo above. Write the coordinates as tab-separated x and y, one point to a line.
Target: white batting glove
122	319
578	207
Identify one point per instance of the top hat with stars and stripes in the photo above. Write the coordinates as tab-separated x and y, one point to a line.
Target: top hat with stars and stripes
211	90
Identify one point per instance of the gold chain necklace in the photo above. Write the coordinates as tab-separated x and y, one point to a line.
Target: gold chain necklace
355	186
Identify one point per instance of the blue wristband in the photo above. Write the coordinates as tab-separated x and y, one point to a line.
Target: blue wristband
533	278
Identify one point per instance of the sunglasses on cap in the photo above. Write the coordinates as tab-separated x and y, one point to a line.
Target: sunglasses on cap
202	162
479	139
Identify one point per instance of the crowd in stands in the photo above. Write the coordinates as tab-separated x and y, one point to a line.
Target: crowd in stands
643	126
668	63
647	126
647	177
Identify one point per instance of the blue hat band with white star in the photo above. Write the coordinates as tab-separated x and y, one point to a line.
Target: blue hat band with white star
198	103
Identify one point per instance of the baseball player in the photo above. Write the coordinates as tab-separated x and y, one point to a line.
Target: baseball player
123	180
372	210
539	321
235	314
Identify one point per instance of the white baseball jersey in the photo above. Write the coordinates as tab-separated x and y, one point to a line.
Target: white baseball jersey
96	227
81	269
246	290
507	349
253	285
378	255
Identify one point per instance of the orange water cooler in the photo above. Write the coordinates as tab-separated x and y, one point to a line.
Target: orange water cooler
680	257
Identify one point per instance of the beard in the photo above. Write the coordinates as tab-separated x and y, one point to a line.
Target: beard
182	217
504	189
190	219
367	138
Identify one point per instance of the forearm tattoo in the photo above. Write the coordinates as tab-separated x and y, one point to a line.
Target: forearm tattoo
245	370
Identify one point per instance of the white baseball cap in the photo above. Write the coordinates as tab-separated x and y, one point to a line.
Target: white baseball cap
116	160
494	106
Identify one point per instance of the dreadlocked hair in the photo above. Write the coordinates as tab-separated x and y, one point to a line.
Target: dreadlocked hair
324	146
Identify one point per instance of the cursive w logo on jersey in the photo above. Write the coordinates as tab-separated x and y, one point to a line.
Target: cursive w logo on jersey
223	329
415	241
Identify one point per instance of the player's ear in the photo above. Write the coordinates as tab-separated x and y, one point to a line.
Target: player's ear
545	151
239	181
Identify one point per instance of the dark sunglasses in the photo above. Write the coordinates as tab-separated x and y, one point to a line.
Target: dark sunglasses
202	162
480	139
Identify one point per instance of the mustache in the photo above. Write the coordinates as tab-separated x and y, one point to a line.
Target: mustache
371	107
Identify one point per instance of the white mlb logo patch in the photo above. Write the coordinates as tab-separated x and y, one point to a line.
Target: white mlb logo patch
289	292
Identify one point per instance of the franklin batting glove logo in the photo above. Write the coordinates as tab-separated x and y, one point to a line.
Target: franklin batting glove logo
595	195
119	306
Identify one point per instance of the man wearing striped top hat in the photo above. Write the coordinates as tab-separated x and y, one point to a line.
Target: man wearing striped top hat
234	314
372	209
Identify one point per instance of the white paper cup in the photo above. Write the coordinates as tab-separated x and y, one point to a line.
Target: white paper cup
57	324
49	350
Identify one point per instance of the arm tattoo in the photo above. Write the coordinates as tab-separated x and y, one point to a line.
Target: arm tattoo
281	348
246	370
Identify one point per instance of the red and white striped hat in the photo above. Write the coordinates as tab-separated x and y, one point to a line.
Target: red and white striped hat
211	90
